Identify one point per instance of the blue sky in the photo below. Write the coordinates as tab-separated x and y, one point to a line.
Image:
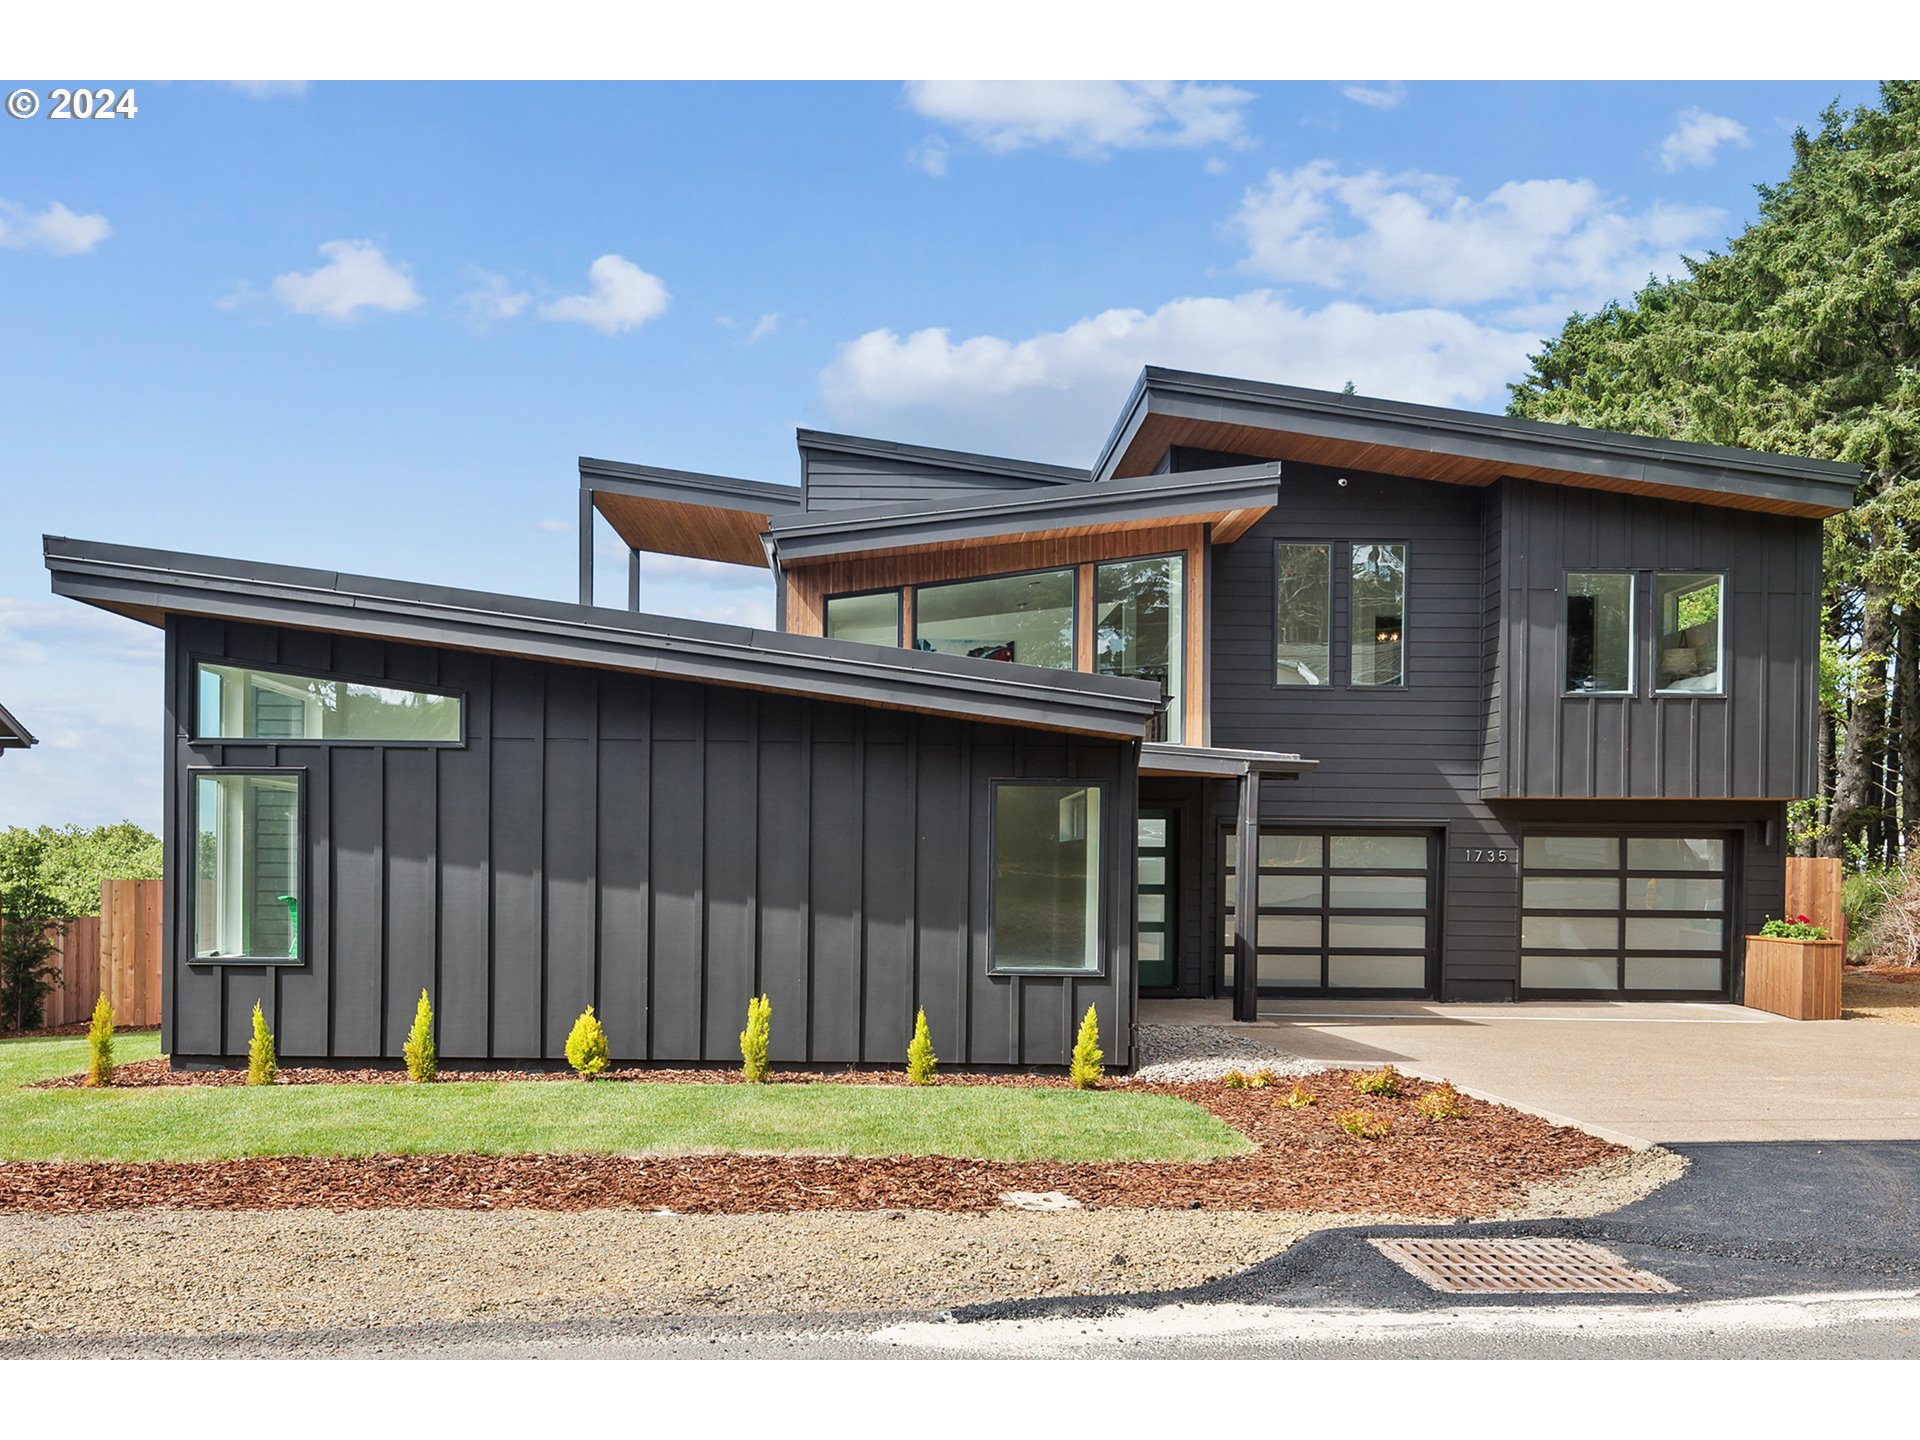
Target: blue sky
371	326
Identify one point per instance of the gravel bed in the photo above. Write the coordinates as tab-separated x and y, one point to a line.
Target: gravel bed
1179	1054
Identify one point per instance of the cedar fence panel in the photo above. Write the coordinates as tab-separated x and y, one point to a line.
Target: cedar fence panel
1813	890
115	953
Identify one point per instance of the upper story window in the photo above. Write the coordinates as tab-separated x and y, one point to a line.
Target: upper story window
1600	634
237	702
874	619
1378	614
1026	619
1303	614
1686	649
1138	611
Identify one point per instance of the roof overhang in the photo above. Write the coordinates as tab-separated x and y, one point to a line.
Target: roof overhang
681	512
1208	763
1230	499
1316	427
14	735
151	585
960	462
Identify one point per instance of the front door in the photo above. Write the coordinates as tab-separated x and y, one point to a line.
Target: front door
1158	930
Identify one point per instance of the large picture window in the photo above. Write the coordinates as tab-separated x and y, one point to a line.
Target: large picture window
1687	648
874	619
236	702
1379	614
1046	877
1138	607
1026	619
1303	614
1600	634
247	865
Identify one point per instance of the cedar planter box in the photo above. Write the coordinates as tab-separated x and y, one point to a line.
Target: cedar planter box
1799	979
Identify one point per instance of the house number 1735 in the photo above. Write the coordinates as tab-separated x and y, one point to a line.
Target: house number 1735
1489	857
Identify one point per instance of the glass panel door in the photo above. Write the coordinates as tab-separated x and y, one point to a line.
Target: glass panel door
1158	932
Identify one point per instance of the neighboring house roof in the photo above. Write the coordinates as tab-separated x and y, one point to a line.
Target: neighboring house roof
681	512
1283	422
962	462
149	585
14	735
1233	499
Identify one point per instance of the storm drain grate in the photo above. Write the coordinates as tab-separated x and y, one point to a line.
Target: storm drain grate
1520	1267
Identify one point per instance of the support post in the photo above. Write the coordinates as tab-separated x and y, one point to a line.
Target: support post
1246	901
633	579
586	546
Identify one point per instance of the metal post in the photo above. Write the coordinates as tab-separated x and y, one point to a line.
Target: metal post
633	579
586	546
1246	901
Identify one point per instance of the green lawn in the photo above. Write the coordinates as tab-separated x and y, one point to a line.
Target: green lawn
207	1123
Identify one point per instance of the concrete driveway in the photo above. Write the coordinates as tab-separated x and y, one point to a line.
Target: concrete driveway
1658	1073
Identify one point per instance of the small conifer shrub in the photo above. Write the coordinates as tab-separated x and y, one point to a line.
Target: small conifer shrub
920	1056
587	1045
100	1043
1385	1084
753	1040
1087	1054
1364	1124
1235	1080
1298	1098
1262	1079
423	1058
262	1064
1443	1102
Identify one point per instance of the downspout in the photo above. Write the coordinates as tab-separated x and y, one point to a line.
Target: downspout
1246	901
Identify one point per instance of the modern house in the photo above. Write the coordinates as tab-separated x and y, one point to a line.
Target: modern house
1288	693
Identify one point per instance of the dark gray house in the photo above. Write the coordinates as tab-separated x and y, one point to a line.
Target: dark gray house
1289	693
14	735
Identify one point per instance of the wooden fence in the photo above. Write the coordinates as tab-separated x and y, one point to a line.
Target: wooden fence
1813	890
115	953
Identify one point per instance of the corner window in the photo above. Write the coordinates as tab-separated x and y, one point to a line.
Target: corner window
235	702
1046	878
1026	619
1600	634
1686	649
1138	610
1303	615
247	870
1379	613
874	619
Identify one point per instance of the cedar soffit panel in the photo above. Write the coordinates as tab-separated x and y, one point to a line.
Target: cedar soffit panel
678	527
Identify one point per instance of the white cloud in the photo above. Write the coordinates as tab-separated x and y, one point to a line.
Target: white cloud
269	89
356	277
930	155
1696	136
621	297
1087	118
1215	165
56	229
492	298
1389	96
764	327
1415	237
1052	395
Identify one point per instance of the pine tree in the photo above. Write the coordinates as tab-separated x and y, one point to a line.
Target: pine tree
100	1043
262	1065
1087	1054
423	1059
587	1045
753	1040
920	1056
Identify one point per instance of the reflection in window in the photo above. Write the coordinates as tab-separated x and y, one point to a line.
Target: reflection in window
1137	609
237	703
246	895
1046	877
1379	613
1026	619
1687	647
1600	634
873	619
1303	610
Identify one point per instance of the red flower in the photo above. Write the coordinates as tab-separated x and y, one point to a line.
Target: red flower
1802	919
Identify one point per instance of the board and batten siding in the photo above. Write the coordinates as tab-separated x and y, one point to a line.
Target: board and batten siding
656	848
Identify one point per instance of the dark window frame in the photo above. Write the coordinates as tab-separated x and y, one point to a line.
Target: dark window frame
1405	682
302	869
1176	711
1071	567
899	609
196	737
1273	615
1104	897
1633	636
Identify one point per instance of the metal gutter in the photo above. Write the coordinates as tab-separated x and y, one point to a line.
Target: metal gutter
654	482
1213	762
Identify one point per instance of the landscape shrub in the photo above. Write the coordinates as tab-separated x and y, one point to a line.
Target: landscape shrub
1087	1054
1364	1124
753	1040
1298	1098
1235	1080
1382	1083
920	1056
262	1064
1798	928
34	915
1259	1079
100	1043
587	1045
1443	1102
1883	915
423	1058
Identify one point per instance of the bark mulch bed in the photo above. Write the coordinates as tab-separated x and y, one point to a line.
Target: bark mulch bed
78	1027
1468	1167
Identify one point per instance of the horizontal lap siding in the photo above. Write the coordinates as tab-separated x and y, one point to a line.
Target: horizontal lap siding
835	482
658	849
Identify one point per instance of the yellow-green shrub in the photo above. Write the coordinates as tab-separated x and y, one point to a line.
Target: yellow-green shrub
1364	1124
1383	1083
1087	1054
423	1058
262	1064
1234	1080
100	1043
920	1056
753	1040
1443	1102
587	1045
1298	1098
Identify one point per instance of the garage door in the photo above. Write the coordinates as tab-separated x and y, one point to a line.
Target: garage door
1340	912
1629	916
